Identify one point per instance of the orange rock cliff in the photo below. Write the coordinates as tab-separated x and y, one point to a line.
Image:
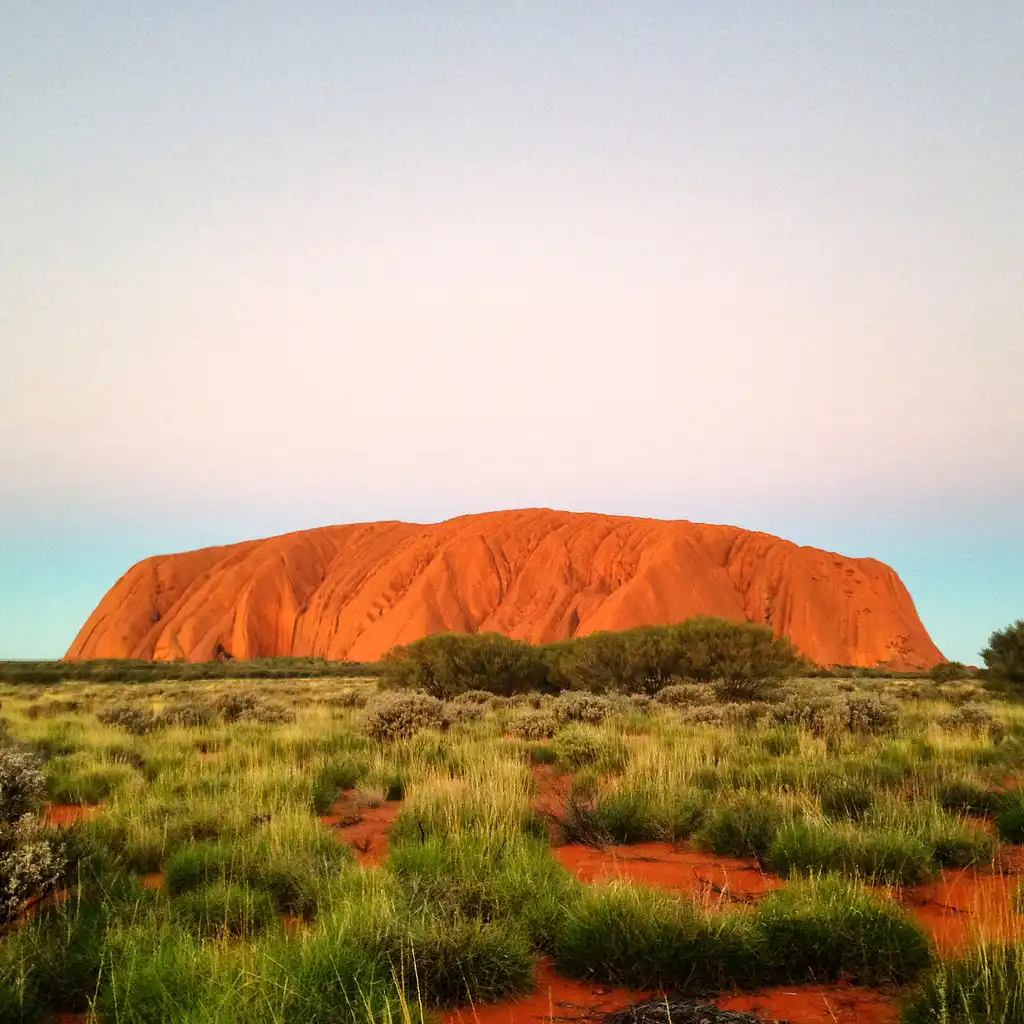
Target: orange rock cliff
352	592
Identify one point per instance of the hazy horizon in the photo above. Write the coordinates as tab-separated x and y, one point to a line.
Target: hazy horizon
756	264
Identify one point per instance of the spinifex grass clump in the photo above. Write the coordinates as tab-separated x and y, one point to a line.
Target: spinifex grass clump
224	908
826	928
745	826
1009	817
983	985
445	962
842	799
640	937
515	880
881	855
54	964
817	930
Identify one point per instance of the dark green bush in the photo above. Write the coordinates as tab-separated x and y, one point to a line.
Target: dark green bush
741	658
1009	818
448	664
968	798
1004	655
948	671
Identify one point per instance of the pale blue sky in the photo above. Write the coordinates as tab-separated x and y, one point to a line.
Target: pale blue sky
266	266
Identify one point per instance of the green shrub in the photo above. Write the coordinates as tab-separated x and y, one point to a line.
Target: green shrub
187	714
467	711
972	715
393	716
288	877
948	671
823	929
516	881
629	815
534	725
197	864
447	664
685	695
154	976
22	783
744	826
577	746
819	714
242	706
983	985
579	706
871	713
347	699
131	717
961	845
780	741
542	753
741	658
333	977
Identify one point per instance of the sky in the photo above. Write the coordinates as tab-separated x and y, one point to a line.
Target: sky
267	266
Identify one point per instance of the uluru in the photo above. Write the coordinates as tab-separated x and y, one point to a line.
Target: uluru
352	592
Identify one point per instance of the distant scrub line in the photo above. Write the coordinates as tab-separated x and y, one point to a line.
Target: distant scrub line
137	670
640	660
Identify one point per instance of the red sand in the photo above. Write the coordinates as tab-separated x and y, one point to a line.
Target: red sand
68	814
681	870
965	905
816	1004
368	836
553	998
564	999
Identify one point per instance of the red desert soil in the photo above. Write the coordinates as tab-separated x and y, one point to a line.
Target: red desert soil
68	814
706	876
365	829
554	997
355	591
964	905
816	1004
564	999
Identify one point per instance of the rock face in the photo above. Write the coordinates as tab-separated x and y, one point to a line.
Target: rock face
355	591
